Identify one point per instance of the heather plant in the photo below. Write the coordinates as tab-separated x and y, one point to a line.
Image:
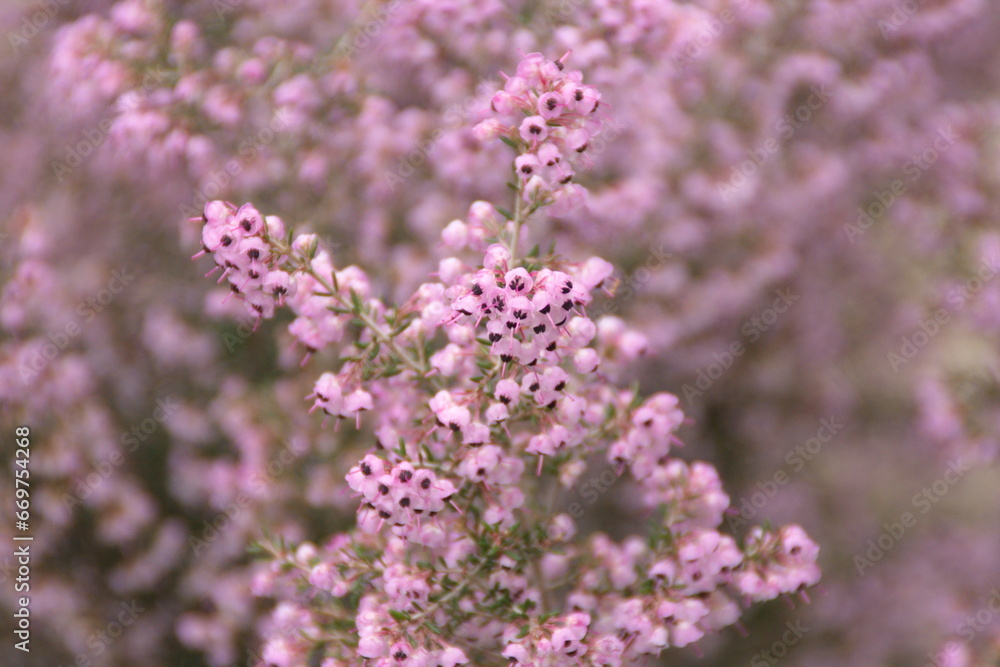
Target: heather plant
840	154
484	394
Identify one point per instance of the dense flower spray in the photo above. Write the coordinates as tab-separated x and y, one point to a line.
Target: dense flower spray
487	392
763	146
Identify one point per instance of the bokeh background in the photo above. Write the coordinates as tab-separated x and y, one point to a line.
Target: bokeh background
815	183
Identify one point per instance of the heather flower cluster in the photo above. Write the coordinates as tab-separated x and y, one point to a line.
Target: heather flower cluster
236	238
549	116
485	396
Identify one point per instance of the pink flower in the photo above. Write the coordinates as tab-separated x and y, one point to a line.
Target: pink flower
451	657
496	413
508	392
527	165
455	235
329	396
249	220
550	105
489	129
586	360
534	130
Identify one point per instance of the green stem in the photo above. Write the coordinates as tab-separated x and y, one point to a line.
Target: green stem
377	331
455	592
536	567
519	219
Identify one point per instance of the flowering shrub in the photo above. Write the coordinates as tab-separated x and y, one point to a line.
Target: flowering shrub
486	397
799	200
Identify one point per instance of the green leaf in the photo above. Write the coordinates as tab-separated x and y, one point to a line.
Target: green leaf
399	615
509	142
504	212
356	302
